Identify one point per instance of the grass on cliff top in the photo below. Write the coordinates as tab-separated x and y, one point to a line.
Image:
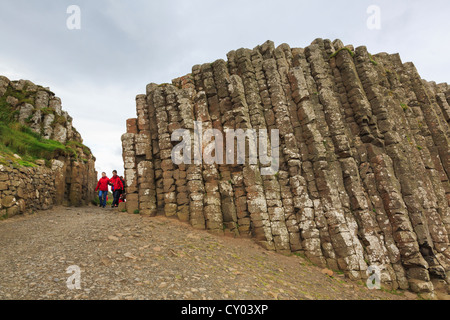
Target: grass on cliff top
342	49
21	140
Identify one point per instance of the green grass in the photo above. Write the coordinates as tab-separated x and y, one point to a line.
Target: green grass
75	144
372	60
21	140
339	272
346	49
46	111
24	163
59	120
7	112
22	95
392	291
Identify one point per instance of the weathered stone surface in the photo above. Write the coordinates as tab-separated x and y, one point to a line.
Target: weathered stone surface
364	158
122	206
26	111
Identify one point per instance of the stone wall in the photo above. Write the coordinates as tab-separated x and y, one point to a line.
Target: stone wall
26	190
364	168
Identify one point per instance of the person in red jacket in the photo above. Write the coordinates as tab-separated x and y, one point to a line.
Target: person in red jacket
117	184
102	185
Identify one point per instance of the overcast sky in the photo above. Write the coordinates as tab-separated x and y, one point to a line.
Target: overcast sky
122	45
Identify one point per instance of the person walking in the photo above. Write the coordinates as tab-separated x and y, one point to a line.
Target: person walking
102	185
117	184
123	182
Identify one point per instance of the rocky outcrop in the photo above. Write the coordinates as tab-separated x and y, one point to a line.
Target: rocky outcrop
65	176
364	160
38	108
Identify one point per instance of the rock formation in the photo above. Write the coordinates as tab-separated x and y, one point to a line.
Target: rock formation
66	176
364	162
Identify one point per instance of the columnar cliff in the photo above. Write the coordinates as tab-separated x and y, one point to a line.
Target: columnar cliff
43	161
364	161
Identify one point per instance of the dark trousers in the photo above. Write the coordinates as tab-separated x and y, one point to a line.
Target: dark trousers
102	197
117	194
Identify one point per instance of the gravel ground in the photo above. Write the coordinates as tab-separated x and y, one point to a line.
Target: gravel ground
131	257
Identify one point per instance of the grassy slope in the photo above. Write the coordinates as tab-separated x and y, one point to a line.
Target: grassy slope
30	146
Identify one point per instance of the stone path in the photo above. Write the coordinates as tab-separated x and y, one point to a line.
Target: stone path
124	256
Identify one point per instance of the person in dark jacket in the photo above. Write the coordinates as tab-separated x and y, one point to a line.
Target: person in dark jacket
117	184
102	185
123	183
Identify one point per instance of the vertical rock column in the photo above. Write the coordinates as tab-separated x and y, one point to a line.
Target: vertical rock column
337	229
129	158
263	192
303	202
251	178
229	122
154	141
180	174
144	156
312	148
277	215
165	151
212	198
290	177
194	178
226	187
277	192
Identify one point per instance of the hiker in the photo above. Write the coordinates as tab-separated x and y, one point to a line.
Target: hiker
102	185
123	183
118	187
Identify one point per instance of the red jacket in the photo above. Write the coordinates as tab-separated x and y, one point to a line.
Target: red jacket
102	184
117	183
